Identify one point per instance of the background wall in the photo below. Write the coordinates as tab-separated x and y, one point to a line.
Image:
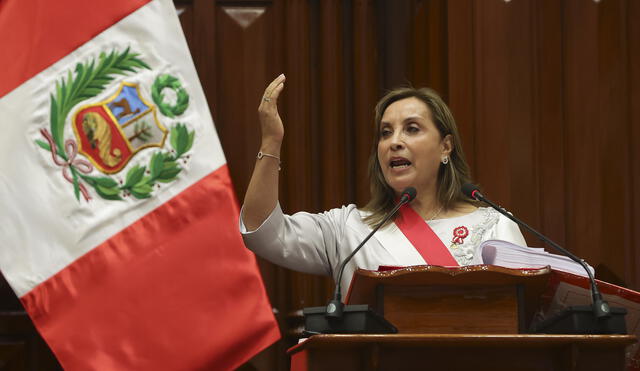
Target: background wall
546	94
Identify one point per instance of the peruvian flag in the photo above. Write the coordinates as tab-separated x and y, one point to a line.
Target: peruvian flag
118	223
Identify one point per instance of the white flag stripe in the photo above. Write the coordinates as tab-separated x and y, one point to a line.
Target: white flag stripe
33	193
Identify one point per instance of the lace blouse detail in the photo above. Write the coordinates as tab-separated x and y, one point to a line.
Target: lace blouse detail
479	223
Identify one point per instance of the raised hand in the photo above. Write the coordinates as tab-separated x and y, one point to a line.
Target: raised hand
270	121
262	193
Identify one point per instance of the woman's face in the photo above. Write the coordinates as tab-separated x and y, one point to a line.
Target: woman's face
410	148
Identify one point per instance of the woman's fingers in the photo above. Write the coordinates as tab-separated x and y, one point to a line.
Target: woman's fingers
269	101
276	85
268	110
277	90
273	85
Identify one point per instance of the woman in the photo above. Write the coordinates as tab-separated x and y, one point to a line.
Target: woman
417	145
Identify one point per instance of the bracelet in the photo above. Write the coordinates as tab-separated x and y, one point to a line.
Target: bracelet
261	155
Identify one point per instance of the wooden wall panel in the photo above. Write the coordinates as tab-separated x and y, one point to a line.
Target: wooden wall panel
461	52
202	46
632	253
365	92
548	24
427	57
546	94
581	122
613	121
299	175
394	19
492	126
522	114
505	111
243	42
584	135
333	165
552	83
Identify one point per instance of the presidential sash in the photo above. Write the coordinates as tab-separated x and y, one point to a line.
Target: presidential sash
423	238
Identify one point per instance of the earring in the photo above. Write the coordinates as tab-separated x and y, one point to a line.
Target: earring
445	160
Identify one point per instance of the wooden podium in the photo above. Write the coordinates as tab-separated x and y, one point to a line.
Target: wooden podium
457	319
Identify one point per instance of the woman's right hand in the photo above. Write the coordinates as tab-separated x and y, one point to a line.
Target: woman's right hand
262	193
270	121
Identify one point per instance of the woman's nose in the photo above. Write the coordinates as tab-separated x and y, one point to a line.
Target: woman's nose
396	141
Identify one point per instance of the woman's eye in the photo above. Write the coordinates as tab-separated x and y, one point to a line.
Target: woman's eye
385	132
412	129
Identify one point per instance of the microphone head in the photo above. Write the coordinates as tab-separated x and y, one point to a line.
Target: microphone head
470	189
409	194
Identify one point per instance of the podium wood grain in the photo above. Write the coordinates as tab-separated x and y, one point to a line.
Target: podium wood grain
461	352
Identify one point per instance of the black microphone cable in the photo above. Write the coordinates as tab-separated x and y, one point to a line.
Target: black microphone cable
601	308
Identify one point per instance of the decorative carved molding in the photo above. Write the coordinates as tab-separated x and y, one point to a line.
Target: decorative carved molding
244	16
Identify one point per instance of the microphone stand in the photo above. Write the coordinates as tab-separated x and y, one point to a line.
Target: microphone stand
602	319
335	317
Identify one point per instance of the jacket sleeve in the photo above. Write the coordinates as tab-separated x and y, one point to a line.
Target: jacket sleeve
303	242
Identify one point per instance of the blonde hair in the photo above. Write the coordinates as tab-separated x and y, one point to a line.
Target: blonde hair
451	177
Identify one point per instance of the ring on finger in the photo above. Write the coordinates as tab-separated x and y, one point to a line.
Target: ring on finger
266	99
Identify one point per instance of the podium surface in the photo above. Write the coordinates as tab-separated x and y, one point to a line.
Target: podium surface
461	352
465	318
477	299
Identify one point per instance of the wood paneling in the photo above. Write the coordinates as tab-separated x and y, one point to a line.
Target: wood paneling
332	107
364	77
461	73
632	224
613	121
546	94
394	19
492	126
598	189
581	123
400	352
548	25
445	309
427	51
21	347
244	45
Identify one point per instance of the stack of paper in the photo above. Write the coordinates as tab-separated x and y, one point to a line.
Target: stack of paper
509	255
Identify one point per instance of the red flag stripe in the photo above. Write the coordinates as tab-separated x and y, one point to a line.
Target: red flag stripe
34	34
176	286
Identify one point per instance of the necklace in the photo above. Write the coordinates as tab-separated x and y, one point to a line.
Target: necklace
434	215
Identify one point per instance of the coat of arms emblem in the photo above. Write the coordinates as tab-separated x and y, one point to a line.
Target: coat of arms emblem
109	133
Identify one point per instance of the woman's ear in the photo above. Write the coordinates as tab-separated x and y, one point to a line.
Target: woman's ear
447	145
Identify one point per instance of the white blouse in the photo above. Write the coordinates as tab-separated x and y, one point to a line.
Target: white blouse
317	243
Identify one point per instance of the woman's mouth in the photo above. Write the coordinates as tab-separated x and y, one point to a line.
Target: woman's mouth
399	163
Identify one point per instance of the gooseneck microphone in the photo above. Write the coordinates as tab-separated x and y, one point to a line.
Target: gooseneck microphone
335	317
600	307
335	308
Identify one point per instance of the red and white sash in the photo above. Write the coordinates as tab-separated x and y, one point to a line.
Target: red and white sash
423	238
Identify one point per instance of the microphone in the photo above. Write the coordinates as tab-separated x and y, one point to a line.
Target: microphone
335	306
600	308
334	311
